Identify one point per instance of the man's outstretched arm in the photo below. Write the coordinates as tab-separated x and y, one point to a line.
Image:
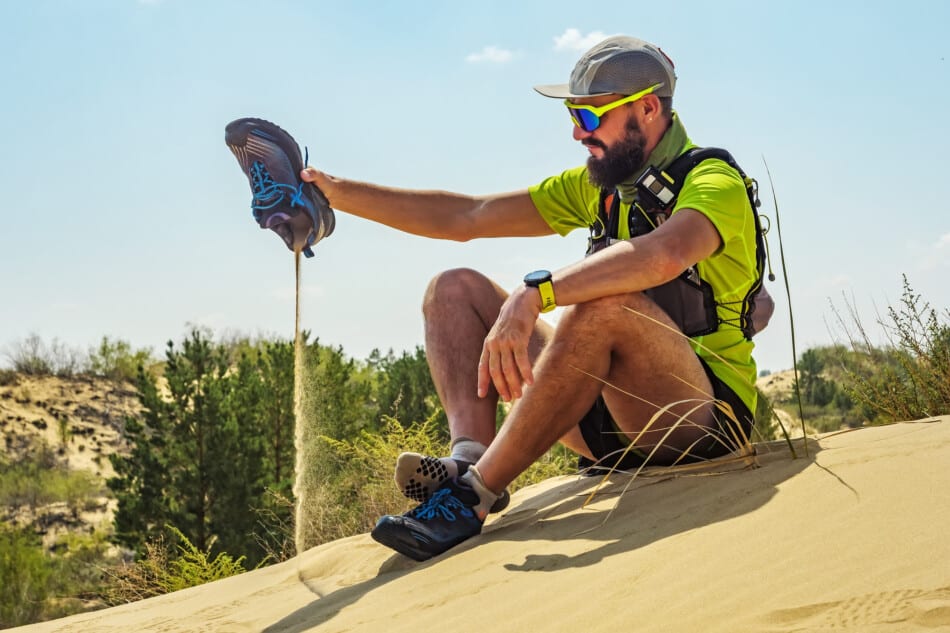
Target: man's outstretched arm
436	214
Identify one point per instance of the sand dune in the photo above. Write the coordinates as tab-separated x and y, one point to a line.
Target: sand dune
852	538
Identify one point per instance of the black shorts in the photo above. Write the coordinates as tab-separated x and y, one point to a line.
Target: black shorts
604	438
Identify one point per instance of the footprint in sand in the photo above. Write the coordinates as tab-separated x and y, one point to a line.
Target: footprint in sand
921	609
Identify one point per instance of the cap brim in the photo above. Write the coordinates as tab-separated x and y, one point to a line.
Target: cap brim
563	91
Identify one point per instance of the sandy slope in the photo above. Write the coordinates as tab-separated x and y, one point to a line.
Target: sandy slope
82	420
853	538
92	412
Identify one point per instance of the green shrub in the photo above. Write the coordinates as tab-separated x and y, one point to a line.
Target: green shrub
36	585
24	576
360	489
78	581
35	479
164	569
558	461
357	485
115	359
907	379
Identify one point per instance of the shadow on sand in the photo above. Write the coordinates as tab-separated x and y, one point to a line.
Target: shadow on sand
658	504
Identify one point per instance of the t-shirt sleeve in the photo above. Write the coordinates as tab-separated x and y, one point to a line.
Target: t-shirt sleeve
717	191
566	201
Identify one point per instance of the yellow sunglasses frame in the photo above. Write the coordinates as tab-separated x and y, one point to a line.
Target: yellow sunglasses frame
600	111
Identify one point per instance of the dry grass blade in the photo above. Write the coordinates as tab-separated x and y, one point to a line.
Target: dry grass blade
679	333
791	315
738	442
724	361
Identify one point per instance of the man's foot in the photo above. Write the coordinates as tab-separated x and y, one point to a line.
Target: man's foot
454	513
418	476
270	158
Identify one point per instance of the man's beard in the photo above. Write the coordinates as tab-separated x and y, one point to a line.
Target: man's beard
620	161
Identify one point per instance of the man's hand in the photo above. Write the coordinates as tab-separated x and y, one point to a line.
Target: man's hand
322	181
505	361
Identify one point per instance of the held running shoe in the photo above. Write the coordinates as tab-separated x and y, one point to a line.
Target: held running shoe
453	514
418	476
270	158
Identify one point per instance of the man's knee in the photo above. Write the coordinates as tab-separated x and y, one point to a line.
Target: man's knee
453	287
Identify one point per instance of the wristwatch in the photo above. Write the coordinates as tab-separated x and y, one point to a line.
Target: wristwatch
541	279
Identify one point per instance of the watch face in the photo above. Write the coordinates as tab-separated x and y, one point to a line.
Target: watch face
537	277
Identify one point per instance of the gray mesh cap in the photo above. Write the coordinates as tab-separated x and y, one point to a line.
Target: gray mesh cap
618	65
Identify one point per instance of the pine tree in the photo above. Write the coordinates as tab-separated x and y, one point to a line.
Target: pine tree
141	482
275	366
405	389
207	447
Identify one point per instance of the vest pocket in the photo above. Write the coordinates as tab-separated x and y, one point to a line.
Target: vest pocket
689	302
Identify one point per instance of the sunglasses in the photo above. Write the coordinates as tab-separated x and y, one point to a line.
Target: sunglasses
588	117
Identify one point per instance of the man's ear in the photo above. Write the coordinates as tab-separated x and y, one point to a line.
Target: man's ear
651	107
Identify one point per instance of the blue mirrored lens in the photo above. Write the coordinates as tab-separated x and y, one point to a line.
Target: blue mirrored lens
585	119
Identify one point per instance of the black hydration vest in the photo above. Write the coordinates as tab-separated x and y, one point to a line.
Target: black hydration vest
688	299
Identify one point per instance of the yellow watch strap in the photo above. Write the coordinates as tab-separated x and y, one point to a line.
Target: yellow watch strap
546	289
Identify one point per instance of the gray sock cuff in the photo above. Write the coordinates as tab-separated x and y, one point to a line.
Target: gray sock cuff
467	450
486	497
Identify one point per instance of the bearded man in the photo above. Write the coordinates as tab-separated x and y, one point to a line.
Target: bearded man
620	375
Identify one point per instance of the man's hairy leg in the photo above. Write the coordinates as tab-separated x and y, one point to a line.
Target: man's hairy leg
459	307
603	339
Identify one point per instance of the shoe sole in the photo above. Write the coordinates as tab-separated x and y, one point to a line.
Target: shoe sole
399	540
426	474
241	137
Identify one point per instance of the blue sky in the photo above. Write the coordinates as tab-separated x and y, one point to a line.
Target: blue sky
125	215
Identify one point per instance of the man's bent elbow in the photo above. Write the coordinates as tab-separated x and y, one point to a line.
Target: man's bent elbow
461	228
669	268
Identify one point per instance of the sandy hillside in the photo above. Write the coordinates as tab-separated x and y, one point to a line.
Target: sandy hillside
81	419
852	538
778	384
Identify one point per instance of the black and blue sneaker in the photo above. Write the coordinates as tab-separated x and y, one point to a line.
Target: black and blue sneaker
270	158
453	514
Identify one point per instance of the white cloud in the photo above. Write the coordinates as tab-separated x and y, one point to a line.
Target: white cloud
491	54
573	40
944	241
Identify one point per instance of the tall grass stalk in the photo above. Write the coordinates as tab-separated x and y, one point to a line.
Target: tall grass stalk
738	442
676	331
791	315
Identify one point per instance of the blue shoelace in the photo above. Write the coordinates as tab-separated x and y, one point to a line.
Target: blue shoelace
267	194
442	503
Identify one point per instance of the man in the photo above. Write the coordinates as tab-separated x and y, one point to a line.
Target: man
616	359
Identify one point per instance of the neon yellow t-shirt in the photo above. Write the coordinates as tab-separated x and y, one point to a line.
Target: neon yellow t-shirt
569	201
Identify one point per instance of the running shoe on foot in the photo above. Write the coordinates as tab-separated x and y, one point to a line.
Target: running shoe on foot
270	158
418	476
454	513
